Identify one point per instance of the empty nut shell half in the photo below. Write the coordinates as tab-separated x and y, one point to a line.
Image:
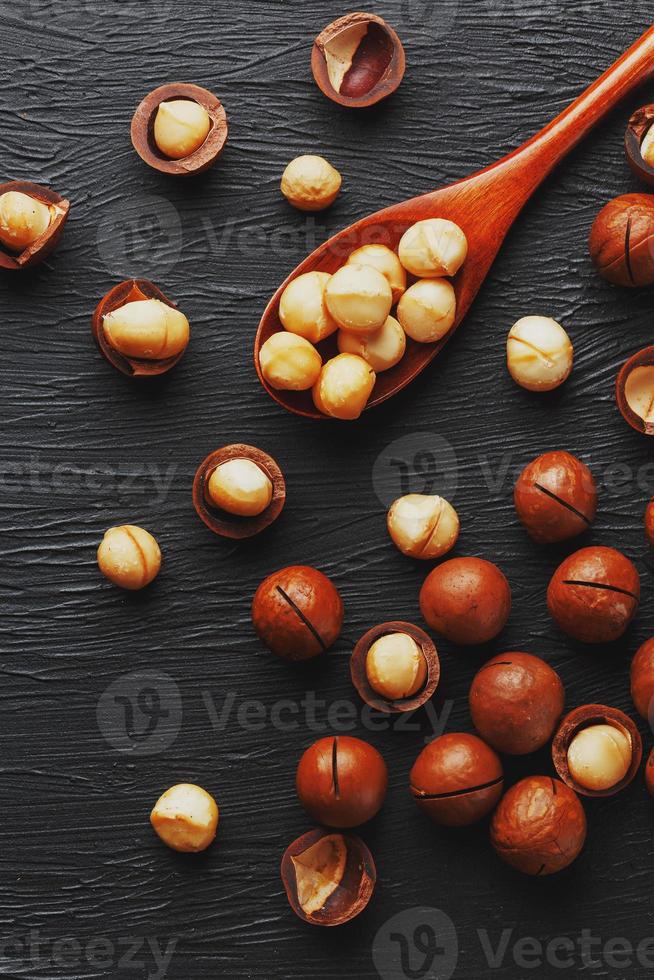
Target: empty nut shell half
637	143
360	675
585	717
329	877
634	391
143	130
358	60
220	521
130	291
45	243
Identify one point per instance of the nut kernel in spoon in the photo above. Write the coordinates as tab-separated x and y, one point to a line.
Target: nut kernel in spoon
359	298
382	350
344	387
433	247
289	362
427	311
302	308
383	259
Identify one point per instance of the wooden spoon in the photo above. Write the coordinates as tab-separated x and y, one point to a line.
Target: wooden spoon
484	205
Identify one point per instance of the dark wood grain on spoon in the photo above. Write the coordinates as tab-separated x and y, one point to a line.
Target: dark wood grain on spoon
485	206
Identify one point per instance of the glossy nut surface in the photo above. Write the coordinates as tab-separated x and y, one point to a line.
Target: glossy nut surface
26	236
649	523
642	680
427	310
359	298
555	497
341	781
381	681
185	818
620	240
288	362
457	780
649	774
302	308
539	827
587	760
297	613
594	594
343	387
516	700
129	556
329	877
468	600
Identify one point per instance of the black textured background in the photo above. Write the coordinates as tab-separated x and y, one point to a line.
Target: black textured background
84	448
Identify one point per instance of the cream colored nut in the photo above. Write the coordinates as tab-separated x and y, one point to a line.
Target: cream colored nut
181	127
434	247
289	362
147	329
129	557
427	311
240	487
396	666
381	258
302	308
639	392
344	387
319	871
185	818
647	147
310	183
539	353
599	757
359	298
382	350
23	219
423	526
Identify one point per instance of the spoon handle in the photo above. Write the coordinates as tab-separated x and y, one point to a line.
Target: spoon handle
529	165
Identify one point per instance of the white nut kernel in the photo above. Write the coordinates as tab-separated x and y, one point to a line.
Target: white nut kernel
302	308
359	298
289	362
240	487
396	666
423	526
129	557
382	350
147	329
185	818
599	757
310	183
427	311
23	219
539	353
381	258
344	387
181	127
433	247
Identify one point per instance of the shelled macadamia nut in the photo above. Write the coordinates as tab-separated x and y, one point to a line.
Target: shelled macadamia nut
539	353
181	127
344	387
310	183
185	817
23	219
289	362
427	310
434	247
240	487
599	757
359	298
423	526
384	260
147	329
396	667
647	147
382	350
302	308
129	557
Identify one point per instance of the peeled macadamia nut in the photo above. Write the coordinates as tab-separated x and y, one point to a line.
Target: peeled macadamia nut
129	557
382	350
599	757
359	298
302	308
185	818
434	247
647	147
423	526
240	487
147	329
381	258
427	310
289	362
539	353
396	666
180	128
23	219
344	387
310	183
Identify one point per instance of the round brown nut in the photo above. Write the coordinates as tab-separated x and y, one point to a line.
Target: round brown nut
341	781
621	240
297	612
642	680
468	600
649	522
516	700
457	780
129	557
556	497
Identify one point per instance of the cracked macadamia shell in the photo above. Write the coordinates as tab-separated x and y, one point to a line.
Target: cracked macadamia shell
341	781
516	701
467	600
642	680
180	127
594	595
457	780
297	612
129	557
396	667
539	827
185	817
555	497
240	487
621	240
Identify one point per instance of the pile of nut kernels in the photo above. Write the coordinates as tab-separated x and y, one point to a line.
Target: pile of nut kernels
516	700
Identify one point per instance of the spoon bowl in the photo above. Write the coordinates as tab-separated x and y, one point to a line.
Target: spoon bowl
484	205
